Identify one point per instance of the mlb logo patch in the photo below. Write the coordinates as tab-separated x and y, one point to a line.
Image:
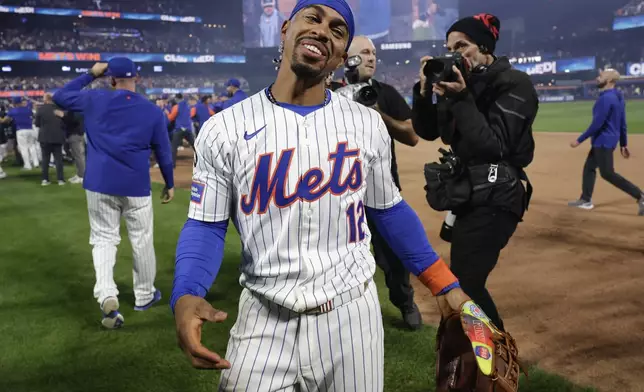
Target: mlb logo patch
482	352
196	192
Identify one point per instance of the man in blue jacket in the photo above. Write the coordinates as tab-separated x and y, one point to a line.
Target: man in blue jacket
607	128
236	94
122	128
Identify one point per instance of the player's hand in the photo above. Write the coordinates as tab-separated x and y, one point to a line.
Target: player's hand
442	88
625	153
190	314
451	301
423	78
574	144
167	195
59	113
98	69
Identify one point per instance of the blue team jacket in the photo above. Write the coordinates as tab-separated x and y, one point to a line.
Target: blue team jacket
122	129
609	121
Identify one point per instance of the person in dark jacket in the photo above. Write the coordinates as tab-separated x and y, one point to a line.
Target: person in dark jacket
75	131
606	130
486	117
51	137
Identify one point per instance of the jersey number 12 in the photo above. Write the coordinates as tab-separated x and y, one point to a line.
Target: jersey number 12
356	231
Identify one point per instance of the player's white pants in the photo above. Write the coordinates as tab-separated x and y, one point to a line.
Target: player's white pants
274	349
28	147
105	213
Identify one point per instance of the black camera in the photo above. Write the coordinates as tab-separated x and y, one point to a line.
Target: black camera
450	164
363	93
439	69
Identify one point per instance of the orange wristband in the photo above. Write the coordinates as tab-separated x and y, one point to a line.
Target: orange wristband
437	276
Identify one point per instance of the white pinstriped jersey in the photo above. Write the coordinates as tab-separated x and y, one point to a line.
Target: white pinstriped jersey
296	187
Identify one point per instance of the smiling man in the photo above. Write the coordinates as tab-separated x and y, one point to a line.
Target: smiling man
297	167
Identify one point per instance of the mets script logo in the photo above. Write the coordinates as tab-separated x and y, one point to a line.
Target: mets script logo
270	185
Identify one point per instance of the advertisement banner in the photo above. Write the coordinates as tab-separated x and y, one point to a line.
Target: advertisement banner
136	57
556	98
635	69
628	22
194	90
98	14
558	66
21	93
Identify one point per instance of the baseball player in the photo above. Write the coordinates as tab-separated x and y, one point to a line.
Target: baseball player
180	115
121	128
295	167
26	136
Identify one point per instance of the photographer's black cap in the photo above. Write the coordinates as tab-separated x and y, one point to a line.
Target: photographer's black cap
483	29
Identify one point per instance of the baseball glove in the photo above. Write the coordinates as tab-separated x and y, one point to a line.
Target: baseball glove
473	355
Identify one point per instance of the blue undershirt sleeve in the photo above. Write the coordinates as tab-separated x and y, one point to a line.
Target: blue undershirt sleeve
404	233
200	251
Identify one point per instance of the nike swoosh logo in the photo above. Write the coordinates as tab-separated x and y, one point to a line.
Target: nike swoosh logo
249	136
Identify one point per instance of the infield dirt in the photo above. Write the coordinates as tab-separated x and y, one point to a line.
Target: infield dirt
570	284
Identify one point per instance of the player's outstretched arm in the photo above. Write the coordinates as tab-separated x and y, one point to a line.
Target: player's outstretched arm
200	248
404	233
199	254
399	225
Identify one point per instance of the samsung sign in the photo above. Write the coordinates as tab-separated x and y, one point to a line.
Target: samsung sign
635	69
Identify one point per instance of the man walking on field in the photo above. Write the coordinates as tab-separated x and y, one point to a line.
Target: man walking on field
608	128
122	127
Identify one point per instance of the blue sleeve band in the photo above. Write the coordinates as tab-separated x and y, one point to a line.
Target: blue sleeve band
448	288
200	251
405	235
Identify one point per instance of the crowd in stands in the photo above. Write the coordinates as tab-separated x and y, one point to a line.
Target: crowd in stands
161	81
164	39
167	7
634	7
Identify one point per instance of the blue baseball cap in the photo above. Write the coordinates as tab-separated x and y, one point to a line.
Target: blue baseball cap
121	67
16	100
233	82
340	6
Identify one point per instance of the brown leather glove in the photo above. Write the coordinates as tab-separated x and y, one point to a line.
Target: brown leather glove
473	355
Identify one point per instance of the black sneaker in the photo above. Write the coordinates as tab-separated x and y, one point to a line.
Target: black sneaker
412	318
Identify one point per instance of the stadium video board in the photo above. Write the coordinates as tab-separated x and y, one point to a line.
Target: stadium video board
630	16
557	66
98	14
380	20
136	57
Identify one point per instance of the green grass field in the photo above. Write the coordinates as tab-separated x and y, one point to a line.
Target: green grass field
577	116
50	335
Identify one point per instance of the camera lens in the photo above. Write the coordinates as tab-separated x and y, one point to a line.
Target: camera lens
434	67
367	96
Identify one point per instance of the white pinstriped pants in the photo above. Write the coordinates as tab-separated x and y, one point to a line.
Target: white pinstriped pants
29	147
105	212
274	349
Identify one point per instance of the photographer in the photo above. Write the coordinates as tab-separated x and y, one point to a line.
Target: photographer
484	110
396	114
